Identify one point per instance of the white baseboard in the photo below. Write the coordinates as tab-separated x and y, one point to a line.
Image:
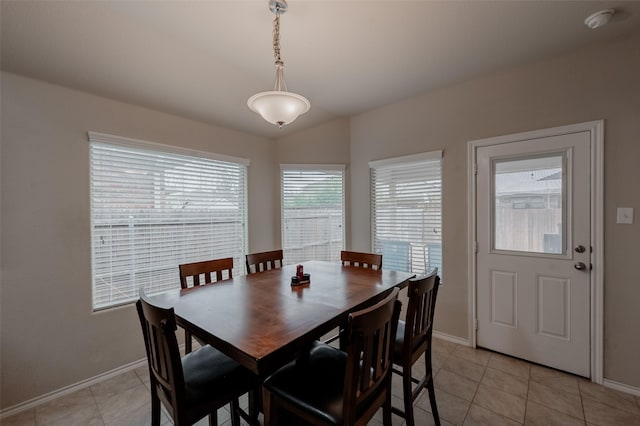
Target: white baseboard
621	387
34	402
451	338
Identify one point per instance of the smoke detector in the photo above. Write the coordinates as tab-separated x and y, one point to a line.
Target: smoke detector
599	19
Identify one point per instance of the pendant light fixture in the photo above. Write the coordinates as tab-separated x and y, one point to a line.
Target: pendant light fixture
279	106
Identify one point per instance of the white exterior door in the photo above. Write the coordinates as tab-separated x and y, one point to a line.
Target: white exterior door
533	250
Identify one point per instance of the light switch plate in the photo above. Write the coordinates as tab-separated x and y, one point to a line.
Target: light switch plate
625	215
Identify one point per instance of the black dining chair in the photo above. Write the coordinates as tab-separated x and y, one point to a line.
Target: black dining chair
361	260
195	385
260	262
357	260
211	272
331	387
413	339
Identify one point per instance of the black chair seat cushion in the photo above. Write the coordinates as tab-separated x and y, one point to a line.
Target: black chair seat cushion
208	372
315	384
398	346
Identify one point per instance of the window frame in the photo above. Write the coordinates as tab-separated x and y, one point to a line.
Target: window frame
397	164
174	153
310	168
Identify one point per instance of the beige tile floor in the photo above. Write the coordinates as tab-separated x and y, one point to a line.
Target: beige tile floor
473	387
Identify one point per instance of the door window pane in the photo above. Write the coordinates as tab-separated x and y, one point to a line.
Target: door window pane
529	196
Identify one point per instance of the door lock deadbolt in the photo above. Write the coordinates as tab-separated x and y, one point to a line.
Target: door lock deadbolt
580	266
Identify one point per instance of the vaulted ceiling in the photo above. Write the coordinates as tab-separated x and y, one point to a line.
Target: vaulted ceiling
203	59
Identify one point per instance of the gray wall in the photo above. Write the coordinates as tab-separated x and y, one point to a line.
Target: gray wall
50	337
600	82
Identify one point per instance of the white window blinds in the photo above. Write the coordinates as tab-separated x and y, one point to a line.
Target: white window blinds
152	210
406	200
312	212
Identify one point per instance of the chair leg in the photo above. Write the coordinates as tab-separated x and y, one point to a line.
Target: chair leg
213	418
407	392
187	342
254	404
267	408
155	410
235	416
432	400
429	385
386	409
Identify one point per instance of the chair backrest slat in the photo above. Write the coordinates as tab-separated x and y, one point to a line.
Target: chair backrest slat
370	337
422	293
260	262
163	355
206	268
361	260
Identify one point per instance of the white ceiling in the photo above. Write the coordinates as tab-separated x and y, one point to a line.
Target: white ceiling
203	59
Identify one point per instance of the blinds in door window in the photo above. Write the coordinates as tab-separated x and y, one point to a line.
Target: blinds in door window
406	206
312	212
154	207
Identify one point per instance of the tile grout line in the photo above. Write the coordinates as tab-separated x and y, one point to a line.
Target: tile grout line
510	374
476	392
584	413
95	401
526	400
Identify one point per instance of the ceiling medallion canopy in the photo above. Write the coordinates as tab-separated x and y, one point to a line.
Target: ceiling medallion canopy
599	19
279	106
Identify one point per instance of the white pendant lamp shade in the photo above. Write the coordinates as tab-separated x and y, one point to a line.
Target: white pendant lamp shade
279	107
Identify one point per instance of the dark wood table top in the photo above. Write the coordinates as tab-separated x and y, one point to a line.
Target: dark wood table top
260	320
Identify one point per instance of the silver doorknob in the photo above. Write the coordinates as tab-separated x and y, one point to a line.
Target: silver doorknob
580	266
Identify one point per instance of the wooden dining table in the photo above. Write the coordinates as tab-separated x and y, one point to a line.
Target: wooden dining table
262	321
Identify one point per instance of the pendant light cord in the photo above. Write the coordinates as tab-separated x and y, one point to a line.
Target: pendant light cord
280	84
276	37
